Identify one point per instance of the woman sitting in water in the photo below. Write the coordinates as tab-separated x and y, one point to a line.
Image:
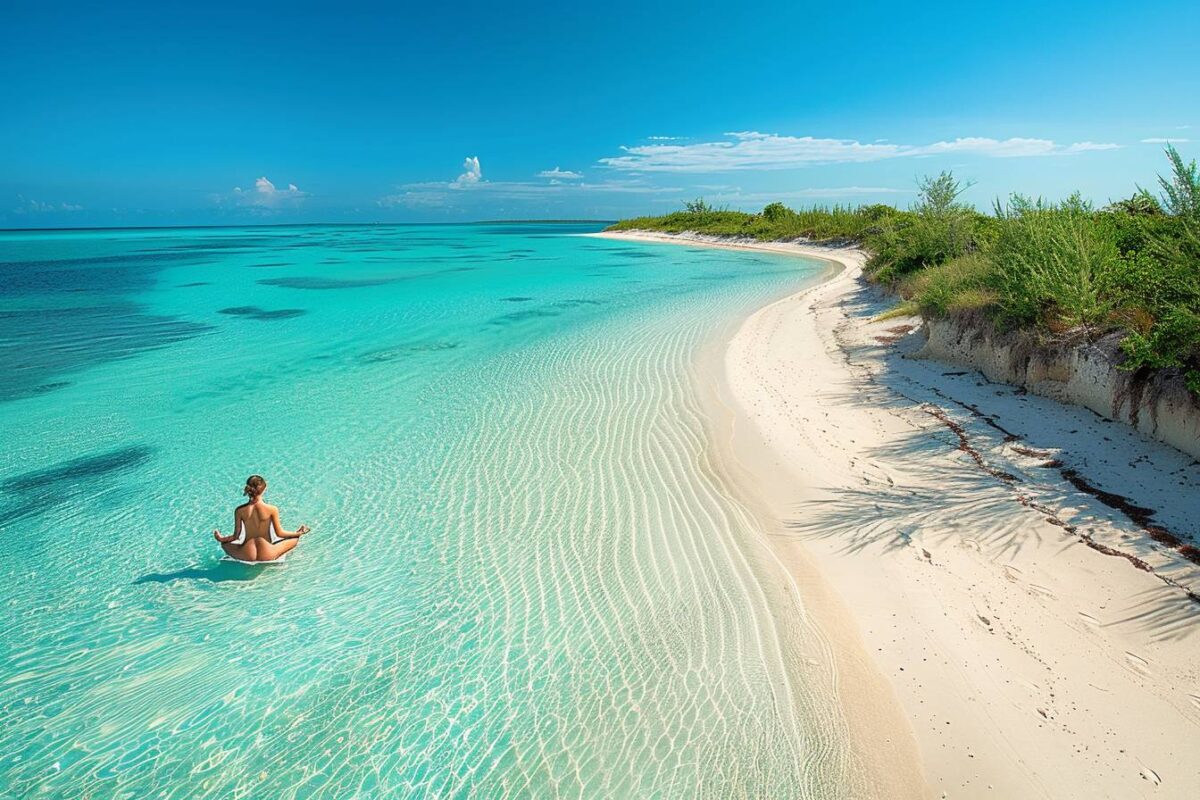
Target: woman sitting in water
258	533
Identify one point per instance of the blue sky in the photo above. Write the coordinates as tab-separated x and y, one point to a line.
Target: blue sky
168	113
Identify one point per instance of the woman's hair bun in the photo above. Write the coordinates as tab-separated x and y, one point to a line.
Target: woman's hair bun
255	485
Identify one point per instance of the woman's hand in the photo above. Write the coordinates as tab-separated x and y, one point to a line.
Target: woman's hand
217	535
303	529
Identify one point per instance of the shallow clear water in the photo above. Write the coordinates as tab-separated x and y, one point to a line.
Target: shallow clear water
524	577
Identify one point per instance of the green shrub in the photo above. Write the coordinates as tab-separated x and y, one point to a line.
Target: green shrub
1181	193
1140	204
1163	283
938	229
1132	266
959	285
1051	263
776	221
776	213
718	223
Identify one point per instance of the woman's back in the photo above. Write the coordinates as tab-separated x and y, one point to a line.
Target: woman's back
257	519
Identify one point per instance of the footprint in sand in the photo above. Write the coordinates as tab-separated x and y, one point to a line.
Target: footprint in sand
874	472
1042	590
1195	698
1151	776
1088	618
1138	663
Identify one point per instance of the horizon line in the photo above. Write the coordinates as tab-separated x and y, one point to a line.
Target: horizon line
308	224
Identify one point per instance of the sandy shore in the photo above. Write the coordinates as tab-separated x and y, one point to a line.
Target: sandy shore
999	616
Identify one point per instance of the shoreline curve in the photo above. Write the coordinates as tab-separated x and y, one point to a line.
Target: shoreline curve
987	642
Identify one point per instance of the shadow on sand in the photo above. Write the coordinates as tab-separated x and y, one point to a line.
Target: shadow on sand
917	497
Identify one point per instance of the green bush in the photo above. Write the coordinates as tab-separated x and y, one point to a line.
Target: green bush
1055	268
1163	285
1051	264
938	229
964	284
718	223
1181	193
776	221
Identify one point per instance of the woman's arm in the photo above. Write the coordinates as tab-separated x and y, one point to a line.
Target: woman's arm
283	534
232	537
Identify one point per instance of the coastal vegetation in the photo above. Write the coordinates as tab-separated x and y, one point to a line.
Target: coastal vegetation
1064	270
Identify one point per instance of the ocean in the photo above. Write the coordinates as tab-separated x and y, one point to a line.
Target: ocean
525	577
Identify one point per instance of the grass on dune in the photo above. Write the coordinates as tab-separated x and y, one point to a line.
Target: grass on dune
1060	269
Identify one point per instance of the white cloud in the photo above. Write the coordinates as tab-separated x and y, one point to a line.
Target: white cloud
560	174
434	193
751	150
429	194
627	187
485	194
265	195
473	173
1162	140
737	197
32	206
832	191
664	138
1089	147
413	199
1007	148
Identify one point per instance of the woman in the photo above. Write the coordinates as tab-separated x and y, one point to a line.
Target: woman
254	522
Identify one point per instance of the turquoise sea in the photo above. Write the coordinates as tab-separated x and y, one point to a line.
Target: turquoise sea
526	577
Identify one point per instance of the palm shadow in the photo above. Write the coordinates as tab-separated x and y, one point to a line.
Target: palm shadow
1164	615
220	572
919	493
932	498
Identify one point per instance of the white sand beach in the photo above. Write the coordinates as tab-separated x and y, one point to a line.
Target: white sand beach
997	613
